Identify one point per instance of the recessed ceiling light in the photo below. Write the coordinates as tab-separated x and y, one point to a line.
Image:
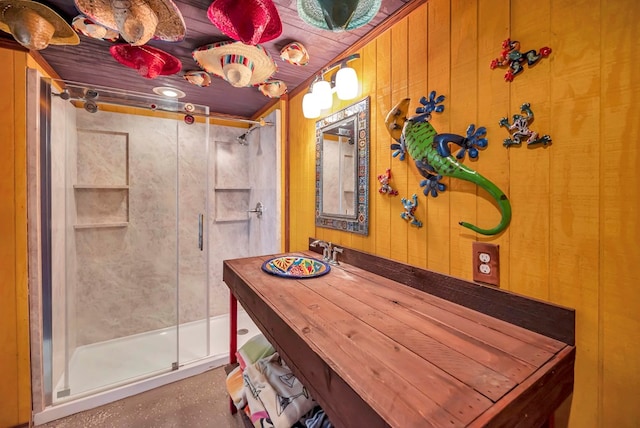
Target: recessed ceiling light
169	92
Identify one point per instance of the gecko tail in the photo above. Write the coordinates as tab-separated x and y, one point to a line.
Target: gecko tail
476	229
505	208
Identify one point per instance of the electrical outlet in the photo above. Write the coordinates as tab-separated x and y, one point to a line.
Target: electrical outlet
486	263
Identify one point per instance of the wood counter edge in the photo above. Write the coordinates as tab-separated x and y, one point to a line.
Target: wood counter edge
532	402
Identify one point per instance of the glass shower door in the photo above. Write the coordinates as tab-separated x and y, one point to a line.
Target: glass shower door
193	254
119	231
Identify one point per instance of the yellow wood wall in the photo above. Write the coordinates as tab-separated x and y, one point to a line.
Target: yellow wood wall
575	235
15	396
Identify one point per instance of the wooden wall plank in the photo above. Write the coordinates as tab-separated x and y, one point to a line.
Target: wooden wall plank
462	110
302	173
493	99
368	82
417	47
529	167
382	141
400	228
619	197
573	165
15	408
21	256
8	315
438	70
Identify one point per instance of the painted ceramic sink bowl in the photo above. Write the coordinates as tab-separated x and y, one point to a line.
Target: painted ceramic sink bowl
295	267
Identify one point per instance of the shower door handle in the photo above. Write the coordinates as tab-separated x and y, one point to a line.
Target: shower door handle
200	235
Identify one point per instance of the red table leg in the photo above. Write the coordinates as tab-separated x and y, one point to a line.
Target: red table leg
233	338
550	423
233	329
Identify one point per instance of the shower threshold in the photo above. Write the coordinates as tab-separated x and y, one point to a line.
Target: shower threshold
96	378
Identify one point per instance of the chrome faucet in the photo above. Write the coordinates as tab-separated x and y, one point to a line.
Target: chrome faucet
326	249
334	256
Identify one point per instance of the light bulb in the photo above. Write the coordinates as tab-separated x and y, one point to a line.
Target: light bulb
346	83
322	93
310	108
169	92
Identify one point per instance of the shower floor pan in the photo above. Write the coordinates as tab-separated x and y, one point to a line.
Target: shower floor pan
104	372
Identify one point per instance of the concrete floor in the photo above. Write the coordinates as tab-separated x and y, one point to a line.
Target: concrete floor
199	401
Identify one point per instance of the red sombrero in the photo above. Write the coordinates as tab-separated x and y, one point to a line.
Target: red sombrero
149	62
248	21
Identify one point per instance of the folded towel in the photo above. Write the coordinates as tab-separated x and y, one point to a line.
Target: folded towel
258	415
271	382
235	387
253	350
319	419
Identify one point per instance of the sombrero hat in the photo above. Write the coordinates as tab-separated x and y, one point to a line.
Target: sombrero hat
273	88
87	27
198	78
237	63
34	25
249	21
295	53
137	21
344	15
148	61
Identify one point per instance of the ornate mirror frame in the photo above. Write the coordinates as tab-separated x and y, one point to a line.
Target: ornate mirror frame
359	221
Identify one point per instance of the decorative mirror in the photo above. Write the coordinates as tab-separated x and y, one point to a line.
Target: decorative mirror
342	169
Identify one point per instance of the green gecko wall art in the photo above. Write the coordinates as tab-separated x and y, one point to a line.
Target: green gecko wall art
432	155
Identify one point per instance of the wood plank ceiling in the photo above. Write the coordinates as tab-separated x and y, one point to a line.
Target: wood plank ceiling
90	62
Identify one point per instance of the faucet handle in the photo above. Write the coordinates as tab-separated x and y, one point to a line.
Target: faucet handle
326	254
326	248
334	255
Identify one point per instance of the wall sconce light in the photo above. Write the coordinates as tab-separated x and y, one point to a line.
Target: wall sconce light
320	96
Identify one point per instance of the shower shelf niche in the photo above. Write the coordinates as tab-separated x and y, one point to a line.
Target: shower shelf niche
231	204
101	206
232	188
102	191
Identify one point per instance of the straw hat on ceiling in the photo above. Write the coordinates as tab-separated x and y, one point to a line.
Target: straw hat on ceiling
295	53
198	78
338	16
239	64
137	21
249	21
273	88
148	61
87	27
34	25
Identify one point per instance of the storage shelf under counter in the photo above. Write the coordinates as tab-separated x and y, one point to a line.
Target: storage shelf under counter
380	343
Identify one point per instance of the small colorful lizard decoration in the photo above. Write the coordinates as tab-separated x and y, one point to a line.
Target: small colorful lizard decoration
520	131
432	156
514	59
385	187
410	209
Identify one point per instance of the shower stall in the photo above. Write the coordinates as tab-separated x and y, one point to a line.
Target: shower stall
142	198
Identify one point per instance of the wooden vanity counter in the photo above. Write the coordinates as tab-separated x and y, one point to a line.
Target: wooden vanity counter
394	345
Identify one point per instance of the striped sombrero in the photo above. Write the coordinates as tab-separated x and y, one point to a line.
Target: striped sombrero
239	64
